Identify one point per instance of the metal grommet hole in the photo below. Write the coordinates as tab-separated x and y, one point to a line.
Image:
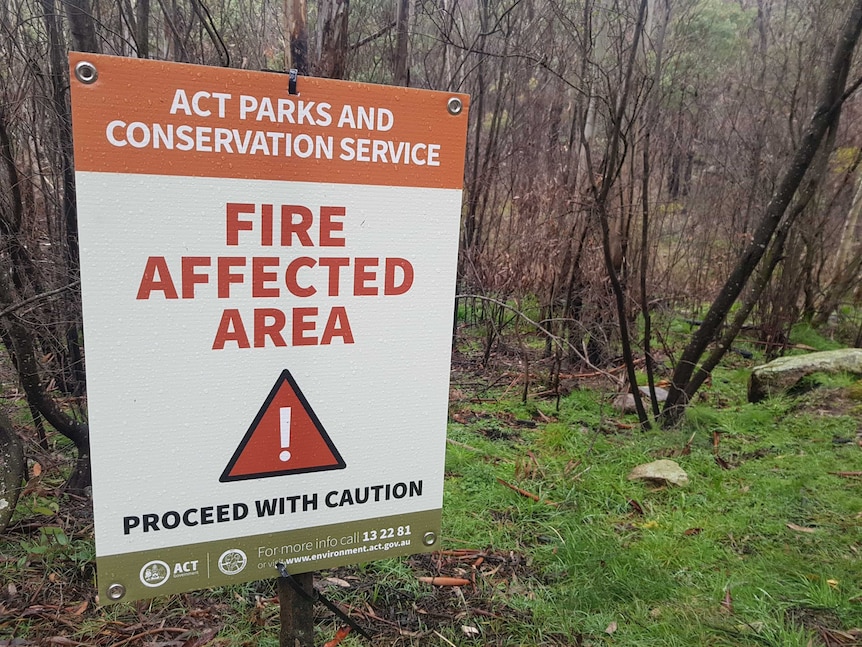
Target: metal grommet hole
116	591
86	72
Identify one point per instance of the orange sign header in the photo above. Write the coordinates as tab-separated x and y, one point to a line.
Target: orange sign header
140	116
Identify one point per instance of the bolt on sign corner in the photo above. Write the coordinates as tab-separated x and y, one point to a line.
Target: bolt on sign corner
267	281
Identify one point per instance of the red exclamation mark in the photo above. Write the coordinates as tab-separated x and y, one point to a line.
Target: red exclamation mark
284	431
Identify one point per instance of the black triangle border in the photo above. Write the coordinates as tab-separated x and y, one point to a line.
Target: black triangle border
284	377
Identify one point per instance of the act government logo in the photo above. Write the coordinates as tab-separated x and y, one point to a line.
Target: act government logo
155	573
232	561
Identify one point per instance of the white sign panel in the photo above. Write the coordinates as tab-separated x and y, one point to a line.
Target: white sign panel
268	284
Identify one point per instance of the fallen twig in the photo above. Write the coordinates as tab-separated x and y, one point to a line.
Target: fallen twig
686	450
340	635
54	640
370	613
798	528
444	639
536	463
444	581
582	472
529	495
462	445
460	552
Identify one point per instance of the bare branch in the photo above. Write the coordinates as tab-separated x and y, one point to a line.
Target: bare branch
562	343
5	312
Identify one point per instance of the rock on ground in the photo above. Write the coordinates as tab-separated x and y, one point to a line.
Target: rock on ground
783	373
661	471
625	402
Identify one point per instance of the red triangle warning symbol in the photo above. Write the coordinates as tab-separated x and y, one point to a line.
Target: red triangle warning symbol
285	437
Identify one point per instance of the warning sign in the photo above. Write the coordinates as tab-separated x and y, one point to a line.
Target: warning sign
268	276
285	438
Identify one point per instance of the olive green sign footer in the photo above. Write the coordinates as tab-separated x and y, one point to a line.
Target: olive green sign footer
165	571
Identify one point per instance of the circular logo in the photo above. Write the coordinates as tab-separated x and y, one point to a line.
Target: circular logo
155	573
232	561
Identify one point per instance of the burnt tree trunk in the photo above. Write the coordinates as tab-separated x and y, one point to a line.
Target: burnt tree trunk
296	13
37	395
332	38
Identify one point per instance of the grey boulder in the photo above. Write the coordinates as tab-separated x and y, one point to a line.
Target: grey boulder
783	373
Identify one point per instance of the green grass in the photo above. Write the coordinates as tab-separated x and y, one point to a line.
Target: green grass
713	563
761	547
803	333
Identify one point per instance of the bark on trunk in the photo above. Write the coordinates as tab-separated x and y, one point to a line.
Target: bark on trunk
82	26
332	38
28	373
296	12
12	468
402	67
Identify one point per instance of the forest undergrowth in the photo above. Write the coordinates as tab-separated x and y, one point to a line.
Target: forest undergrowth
546	540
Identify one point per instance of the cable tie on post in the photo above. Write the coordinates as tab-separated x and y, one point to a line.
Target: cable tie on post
291	83
317	596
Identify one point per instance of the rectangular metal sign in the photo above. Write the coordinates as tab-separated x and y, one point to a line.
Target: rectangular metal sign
268	283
